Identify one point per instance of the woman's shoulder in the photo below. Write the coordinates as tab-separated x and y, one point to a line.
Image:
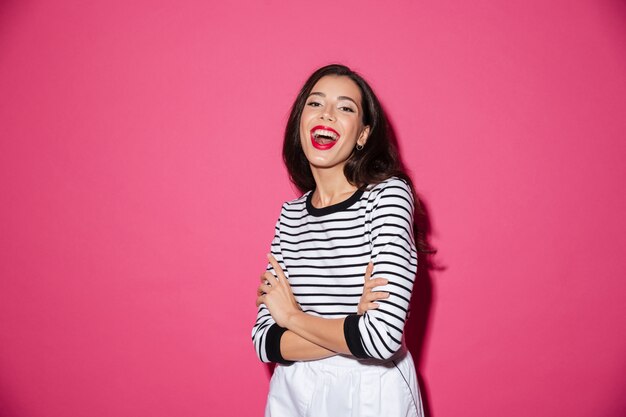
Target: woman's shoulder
390	185
393	190
297	204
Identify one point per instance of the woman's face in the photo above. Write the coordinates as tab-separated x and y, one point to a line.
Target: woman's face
331	123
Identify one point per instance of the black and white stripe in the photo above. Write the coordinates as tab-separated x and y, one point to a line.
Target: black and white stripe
324	253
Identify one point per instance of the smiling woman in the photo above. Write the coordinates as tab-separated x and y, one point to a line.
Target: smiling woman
334	298
334	101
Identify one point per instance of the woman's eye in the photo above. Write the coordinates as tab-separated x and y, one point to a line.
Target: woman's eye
348	109
314	104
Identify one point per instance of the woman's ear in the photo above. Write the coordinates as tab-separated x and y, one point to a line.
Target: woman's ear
365	134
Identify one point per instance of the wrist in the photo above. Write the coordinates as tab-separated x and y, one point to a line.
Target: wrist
292	318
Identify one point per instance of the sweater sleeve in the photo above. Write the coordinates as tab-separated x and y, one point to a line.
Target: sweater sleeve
266	334
378	332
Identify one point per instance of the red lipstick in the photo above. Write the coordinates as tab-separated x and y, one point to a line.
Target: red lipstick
326	140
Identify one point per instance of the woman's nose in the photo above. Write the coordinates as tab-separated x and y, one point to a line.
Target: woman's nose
328	116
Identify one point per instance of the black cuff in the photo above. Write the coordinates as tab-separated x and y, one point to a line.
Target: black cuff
272	344
353	336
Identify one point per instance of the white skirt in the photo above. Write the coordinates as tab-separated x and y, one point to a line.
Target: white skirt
344	386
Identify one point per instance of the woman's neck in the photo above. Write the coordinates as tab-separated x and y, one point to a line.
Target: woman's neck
332	186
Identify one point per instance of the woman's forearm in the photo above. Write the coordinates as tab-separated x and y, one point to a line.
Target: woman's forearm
277	296
327	333
296	348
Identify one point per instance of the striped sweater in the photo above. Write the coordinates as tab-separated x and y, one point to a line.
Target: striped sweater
324	253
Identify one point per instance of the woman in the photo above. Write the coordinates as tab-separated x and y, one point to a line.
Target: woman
333	330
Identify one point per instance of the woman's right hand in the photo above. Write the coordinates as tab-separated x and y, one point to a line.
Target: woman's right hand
368	298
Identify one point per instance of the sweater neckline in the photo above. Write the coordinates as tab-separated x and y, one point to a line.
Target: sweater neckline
333	208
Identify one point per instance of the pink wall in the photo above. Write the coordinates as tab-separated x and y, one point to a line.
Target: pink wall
141	177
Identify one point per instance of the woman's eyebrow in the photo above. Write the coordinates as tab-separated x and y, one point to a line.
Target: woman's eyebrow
317	93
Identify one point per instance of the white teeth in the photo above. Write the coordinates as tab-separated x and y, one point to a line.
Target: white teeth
323	132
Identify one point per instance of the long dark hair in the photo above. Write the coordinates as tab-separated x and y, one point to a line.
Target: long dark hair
376	162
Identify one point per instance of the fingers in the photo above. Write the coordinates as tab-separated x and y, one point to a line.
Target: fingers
368	271
369	296
376	282
363	307
373	296
263	289
276	266
270	278
366	307
367	301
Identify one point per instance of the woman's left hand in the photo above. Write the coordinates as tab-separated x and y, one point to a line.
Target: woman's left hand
276	294
369	297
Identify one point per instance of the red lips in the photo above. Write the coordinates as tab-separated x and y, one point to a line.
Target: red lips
323	146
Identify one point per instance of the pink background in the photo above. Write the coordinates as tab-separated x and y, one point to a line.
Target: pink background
141	177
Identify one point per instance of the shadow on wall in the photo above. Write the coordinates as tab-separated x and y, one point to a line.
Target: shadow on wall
416	327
